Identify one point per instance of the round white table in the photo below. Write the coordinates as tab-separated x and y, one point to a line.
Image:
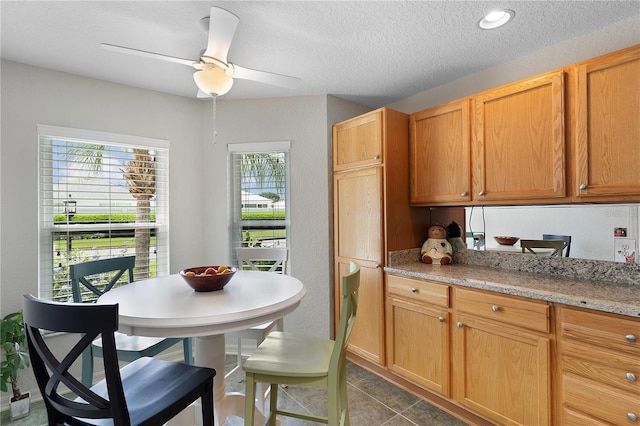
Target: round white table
168	307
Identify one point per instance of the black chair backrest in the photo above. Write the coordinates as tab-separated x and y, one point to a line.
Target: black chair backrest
88	321
565	238
79	272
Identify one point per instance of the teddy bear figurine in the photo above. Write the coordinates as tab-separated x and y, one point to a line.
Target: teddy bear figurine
436	249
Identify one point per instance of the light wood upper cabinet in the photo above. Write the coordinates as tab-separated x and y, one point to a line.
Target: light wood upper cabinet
518	147
607	127
358	142
440	154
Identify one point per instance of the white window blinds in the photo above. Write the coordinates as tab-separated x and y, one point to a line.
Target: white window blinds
102	195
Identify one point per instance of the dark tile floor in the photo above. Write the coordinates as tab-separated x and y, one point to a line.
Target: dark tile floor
372	402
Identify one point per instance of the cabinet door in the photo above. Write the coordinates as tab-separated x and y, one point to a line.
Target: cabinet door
501	372
418	343
358	215
607	126
358	142
440	154
358	236
518	149
367	335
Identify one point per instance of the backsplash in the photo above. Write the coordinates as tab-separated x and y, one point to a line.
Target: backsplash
560	266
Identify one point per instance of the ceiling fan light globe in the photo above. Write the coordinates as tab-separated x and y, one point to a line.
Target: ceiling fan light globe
213	81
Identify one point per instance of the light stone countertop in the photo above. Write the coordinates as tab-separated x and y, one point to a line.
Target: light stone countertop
614	297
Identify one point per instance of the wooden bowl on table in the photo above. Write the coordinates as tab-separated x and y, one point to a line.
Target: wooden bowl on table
201	278
506	240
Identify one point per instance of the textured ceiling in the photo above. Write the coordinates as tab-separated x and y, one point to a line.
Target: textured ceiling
373	53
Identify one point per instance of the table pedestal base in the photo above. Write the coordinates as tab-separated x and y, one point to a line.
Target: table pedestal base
210	352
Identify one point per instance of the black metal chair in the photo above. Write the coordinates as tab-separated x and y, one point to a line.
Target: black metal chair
147	391
565	238
129	348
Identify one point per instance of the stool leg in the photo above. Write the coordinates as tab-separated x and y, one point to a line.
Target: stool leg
87	367
187	350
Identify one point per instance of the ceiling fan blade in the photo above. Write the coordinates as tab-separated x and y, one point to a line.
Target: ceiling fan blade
265	77
222	27
143	53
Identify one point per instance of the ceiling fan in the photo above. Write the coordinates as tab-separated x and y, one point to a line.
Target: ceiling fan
214	74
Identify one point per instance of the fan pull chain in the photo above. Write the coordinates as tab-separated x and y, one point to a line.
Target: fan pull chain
215	133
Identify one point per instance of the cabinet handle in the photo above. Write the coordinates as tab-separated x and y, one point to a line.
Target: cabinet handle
459	324
377	266
414	290
631	338
463	194
583	186
632	417
441	319
376	157
481	193
495	308
631	377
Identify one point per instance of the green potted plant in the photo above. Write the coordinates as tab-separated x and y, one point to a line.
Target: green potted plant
16	357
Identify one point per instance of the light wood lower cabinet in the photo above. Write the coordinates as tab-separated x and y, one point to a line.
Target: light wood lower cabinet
367	336
513	360
600	365
491	353
500	364
418	339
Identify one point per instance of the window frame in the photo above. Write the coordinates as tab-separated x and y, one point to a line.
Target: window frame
46	210
235	197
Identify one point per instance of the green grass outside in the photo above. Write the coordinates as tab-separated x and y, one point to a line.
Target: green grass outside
89	243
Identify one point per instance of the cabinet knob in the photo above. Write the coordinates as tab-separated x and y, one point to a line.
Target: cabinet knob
632	417
441	319
481	193
583	187
459	324
414	290
377	266
495	308
631	338
631	377
463	194
376	157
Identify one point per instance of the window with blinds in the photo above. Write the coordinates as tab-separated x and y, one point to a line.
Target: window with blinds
259	194
102	195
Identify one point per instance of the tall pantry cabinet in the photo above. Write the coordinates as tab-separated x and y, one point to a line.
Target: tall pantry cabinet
372	215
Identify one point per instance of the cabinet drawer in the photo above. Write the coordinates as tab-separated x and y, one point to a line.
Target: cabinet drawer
612	332
574	418
607	367
419	290
600	401
507	309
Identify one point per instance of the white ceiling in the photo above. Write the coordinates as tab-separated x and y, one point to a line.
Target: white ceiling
373	53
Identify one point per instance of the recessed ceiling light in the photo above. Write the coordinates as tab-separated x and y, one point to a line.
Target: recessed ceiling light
496	19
